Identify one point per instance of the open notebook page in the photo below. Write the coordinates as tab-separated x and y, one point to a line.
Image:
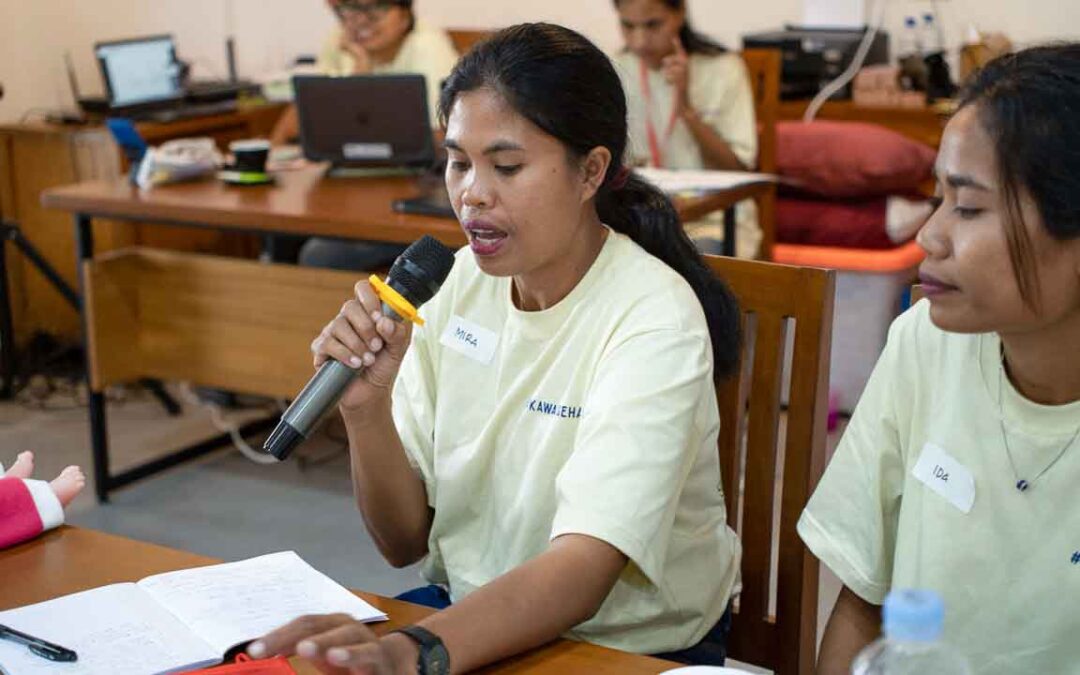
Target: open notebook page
115	630
676	181
235	602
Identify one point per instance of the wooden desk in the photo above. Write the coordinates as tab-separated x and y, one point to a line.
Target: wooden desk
36	156
301	202
924	125
68	560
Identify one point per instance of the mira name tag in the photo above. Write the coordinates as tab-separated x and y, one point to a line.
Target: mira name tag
469	339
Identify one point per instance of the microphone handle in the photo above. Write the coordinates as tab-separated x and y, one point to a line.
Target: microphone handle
319	395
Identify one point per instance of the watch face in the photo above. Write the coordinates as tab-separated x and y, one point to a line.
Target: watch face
435	660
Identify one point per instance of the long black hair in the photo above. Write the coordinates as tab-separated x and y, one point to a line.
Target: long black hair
693	42
567	87
1029	103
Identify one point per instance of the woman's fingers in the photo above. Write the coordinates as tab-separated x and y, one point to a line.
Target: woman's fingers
329	346
347	635
363	325
367	297
283	641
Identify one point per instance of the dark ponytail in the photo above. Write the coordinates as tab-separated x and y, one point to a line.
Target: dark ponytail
566	86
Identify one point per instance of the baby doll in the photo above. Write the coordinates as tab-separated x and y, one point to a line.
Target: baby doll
29	507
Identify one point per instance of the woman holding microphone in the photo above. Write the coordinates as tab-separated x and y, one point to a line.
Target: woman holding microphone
546	443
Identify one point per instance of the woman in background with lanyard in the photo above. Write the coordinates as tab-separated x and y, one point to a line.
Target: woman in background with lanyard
690	105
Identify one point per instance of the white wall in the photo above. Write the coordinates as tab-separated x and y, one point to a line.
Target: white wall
35	33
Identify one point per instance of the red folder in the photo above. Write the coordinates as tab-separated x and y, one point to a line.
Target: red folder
245	665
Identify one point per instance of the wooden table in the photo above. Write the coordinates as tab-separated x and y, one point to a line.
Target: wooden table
68	560
37	155
302	202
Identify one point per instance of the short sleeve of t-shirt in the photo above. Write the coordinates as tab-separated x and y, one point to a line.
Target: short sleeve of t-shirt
634	450
720	89
850	522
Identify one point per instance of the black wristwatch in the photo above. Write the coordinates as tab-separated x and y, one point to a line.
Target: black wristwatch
433	659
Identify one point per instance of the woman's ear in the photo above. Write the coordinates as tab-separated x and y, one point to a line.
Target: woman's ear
594	169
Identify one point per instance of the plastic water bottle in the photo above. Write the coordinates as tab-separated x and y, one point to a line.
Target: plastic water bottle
912	642
910	43
932	39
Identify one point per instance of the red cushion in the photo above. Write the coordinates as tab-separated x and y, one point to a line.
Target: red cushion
849	224
850	159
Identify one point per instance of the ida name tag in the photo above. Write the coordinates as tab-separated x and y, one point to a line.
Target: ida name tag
937	470
469	339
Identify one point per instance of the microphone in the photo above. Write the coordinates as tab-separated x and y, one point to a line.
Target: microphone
414	278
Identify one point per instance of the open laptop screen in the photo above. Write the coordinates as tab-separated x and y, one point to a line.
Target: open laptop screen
140	71
365	120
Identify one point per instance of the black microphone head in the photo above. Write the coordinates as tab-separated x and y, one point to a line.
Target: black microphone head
421	269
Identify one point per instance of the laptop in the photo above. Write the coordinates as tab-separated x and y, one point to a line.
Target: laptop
140	74
144	79
365	124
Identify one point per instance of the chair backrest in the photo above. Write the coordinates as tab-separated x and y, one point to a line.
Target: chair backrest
763	67
770	464
464	39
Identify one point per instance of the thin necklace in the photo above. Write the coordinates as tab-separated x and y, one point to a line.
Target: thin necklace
1021	484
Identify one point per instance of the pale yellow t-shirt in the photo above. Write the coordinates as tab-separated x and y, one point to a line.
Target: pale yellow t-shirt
596	416
425	51
720	92
1008	570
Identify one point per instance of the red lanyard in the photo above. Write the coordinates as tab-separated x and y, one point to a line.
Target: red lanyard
650	131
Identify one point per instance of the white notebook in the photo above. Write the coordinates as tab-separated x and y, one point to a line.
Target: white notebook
178	620
674	181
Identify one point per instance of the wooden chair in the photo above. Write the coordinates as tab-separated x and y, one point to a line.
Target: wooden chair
763	66
464	39
769	467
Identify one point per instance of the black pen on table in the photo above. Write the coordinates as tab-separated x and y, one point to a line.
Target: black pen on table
42	648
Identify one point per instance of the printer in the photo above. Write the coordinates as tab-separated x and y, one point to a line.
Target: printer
813	57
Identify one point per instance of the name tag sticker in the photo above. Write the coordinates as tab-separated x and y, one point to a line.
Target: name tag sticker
469	339
937	470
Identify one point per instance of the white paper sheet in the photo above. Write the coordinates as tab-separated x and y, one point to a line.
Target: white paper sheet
234	602
115	630
674	182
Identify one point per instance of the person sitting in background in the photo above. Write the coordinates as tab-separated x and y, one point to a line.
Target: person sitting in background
379	37
546	444
375	37
691	106
958	469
